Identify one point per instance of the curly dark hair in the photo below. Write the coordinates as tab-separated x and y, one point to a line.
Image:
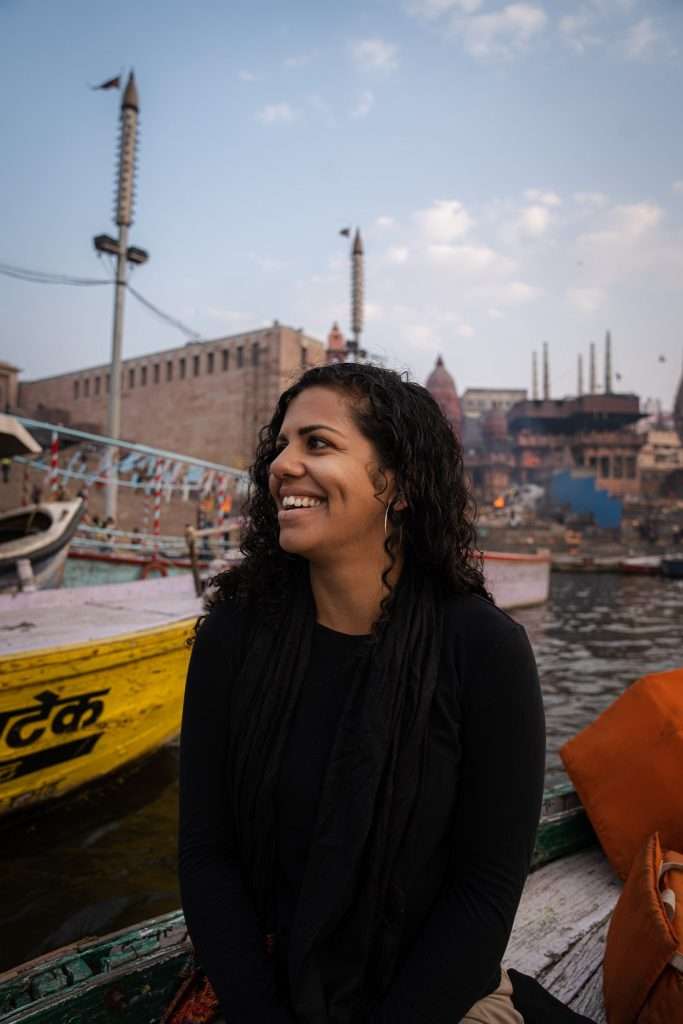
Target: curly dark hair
414	440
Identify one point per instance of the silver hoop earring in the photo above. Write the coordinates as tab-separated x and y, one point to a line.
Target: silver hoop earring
386	518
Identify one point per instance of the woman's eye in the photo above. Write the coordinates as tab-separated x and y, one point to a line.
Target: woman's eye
314	442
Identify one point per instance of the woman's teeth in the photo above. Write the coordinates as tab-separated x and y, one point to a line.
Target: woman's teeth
296	502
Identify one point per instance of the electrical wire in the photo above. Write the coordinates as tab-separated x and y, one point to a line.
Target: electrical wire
43	277
166	317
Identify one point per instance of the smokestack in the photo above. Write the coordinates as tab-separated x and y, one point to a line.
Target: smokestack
591	371
546	372
534	376
579	382
608	363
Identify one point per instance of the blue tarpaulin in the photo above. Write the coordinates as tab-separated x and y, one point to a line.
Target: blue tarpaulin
577	490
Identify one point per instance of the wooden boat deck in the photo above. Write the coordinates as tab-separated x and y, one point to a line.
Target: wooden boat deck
558	937
51	618
561	927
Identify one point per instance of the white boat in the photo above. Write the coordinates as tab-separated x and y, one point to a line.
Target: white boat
34	543
517	581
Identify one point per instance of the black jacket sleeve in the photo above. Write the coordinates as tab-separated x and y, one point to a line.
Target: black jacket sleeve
456	958
220	918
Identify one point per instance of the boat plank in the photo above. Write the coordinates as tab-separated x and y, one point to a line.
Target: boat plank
589	1000
573	978
560	928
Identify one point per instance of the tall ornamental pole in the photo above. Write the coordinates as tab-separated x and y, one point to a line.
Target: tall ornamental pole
356	292
123	216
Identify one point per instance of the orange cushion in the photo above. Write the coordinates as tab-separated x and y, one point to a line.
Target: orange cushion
627	768
639	984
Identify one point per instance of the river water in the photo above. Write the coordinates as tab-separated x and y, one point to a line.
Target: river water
107	859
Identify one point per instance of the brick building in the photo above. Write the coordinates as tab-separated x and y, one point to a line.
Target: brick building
207	398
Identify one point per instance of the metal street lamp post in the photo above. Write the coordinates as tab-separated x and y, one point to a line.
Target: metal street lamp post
123	217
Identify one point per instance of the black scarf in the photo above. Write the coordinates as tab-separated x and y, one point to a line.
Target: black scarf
347	928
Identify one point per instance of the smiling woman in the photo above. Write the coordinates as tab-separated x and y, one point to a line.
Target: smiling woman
361	726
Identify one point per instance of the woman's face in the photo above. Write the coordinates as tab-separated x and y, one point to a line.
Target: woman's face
326	466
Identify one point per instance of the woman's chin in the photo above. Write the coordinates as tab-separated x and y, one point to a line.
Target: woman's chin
294	545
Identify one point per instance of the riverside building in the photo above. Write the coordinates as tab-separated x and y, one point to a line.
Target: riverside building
207	399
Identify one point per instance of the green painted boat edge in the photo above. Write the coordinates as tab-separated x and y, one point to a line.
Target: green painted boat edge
132	974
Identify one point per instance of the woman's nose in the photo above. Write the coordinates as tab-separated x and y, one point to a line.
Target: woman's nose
286	464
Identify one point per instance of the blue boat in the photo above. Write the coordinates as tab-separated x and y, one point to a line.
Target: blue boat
673	567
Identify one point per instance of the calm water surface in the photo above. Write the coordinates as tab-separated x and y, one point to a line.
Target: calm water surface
97	863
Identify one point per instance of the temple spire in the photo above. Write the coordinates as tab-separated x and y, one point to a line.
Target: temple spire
546	371
534	376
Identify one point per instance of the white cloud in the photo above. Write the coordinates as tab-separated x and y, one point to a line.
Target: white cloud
375	55
398	254
266	263
590	199
586	300
511	293
625	224
504	32
246	76
578	29
630	222
641	40
533	221
637	218
468	259
420	336
373	311
628	243
518	292
276	113
445	221
385	223
465	331
537	195
435	8
364	104
230	316
300	60
678	186
495	314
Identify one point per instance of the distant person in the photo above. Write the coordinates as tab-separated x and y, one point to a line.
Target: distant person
36	494
362	747
6	468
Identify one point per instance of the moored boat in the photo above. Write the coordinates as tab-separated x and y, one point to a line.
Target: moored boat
91	679
558	938
34	542
517	580
672	567
642	565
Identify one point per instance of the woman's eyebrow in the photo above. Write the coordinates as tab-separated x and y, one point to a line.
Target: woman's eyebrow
302	431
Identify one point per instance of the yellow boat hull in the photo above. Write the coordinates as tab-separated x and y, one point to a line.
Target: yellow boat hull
71	714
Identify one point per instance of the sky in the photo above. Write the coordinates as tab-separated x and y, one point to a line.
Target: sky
515	168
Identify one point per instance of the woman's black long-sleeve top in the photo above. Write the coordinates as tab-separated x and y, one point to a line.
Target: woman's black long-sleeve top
478	818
